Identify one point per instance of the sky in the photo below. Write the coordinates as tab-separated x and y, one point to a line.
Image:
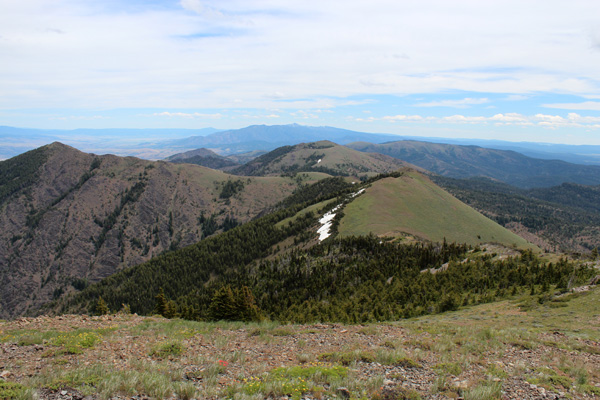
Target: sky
513	70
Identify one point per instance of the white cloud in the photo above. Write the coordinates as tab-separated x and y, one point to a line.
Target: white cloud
303	114
188	115
509	117
543	120
196	6
462	103
583	119
586	105
203	54
517	97
463	119
394	118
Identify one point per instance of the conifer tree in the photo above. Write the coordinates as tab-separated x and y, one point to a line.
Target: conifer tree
223	305
170	309
246	309
101	307
161	303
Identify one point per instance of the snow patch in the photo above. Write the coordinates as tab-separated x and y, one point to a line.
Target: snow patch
327	220
353	195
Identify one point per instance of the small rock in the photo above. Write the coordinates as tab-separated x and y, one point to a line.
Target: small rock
63	393
462	385
344	392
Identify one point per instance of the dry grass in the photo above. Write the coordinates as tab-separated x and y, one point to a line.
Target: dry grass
474	353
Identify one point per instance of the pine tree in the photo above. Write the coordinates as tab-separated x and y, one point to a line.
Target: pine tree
223	305
170	309
101	307
161	303
246	309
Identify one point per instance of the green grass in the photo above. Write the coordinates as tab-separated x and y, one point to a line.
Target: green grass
472	341
12	390
382	356
293	381
171	348
414	205
484	391
154	380
72	342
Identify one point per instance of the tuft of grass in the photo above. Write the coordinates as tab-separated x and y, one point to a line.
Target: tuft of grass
282	331
450	368
485	390
497	371
304	358
396	358
293	381
171	348
369	330
550	379
13	390
151	379
75	342
347	358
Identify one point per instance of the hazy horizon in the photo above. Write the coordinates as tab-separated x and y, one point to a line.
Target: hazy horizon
504	70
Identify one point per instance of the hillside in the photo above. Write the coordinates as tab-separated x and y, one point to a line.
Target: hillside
471	161
284	272
413	205
562	218
204	157
323	156
69	218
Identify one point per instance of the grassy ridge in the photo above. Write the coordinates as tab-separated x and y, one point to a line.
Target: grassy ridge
413	204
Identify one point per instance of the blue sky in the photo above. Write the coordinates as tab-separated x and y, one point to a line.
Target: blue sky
511	70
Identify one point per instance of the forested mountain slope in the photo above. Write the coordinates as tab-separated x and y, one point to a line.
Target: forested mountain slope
470	161
204	157
323	156
562	218
68	218
275	267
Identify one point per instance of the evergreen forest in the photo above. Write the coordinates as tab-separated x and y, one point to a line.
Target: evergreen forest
274	268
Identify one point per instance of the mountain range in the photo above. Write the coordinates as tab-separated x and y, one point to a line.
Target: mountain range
71	220
471	161
160	143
